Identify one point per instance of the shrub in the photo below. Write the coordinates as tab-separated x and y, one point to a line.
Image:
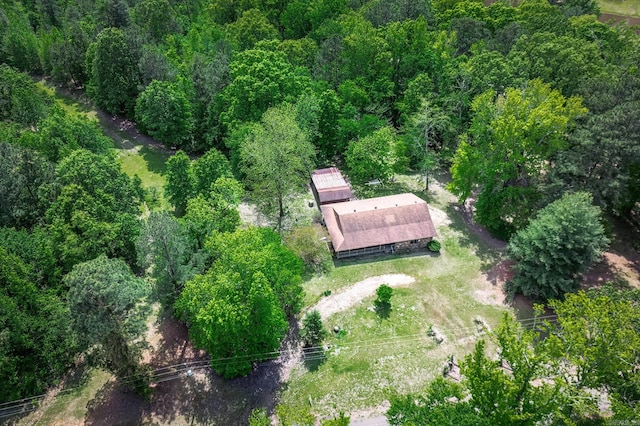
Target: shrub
434	246
309	244
384	293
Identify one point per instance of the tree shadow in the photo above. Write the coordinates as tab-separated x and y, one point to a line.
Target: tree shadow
383	310
186	390
113	404
314	357
155	158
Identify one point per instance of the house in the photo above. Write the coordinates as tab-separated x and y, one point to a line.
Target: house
385	224
329	186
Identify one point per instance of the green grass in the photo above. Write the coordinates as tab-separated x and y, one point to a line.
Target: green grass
377	357
71	407
149	165
620	7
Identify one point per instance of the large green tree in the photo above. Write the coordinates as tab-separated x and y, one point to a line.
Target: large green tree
95	211
109	307
20	99
372	157
560	244
164	111
113	75
36	342
237	310
506	150
260	78
22	174
179	186
163	247
277	159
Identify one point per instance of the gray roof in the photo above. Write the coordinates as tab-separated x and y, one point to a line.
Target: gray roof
378	221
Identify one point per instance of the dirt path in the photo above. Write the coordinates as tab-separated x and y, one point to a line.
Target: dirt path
354	294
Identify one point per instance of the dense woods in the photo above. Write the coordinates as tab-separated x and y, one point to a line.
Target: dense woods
525	104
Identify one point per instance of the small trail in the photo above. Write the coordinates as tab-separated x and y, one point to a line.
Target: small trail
354	294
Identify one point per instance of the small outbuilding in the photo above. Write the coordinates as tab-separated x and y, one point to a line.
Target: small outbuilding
329	186
378	225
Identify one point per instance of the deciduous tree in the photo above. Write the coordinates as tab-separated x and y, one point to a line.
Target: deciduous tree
371	157
277	159
164	111
113	75
506	150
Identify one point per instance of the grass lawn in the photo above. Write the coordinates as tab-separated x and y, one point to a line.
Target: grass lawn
70	407
377	357
620	7
149	165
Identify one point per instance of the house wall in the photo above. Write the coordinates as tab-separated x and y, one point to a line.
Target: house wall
407	246
401	247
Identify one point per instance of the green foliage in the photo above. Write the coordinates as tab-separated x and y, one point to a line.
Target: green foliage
252	250
36	344
501	391
250	28
208	169
108	305
259	417
598	332
260	78
312	331
235	324
23	172
22	101
95	211
294	416
434	246
35	248
371	157
237	310
383	293
18	43
560	244
509	142
163	247
309	244
218	211
157	17
164	111
442	404
180	182
112	71
341	420
277	159
61	133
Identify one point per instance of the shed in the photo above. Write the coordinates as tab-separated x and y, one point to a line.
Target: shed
329	186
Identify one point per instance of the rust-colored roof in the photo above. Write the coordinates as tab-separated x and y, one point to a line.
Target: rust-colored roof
330	185
378	221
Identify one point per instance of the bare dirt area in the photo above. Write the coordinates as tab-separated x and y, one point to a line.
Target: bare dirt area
354	294
198	397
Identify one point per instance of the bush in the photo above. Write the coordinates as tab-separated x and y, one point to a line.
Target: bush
434	246
309	244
